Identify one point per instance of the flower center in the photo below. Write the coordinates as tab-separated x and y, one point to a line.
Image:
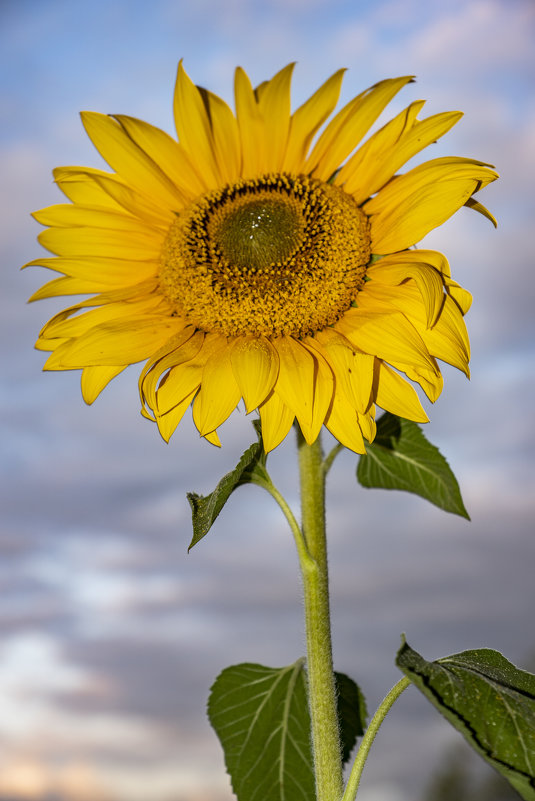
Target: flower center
280	254
258	232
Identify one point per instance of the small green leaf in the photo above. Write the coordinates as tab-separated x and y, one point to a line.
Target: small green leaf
205	508
489	700
262	719
401	458
351	713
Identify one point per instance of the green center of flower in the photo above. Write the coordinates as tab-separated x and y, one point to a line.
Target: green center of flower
279	254
260	232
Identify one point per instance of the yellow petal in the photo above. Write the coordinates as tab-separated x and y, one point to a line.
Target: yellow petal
342	422
78	184
250	126
90	187
111	272
128	160
66	286
276	420
219	393
353	370
256	366
274	107
66	324
225	136
178	359
169	155
413	204
102	242
323	391
94	379
137	204
122	342
213	438
65	215
168	422
387	335
346	130
447	339
428	280
479	207
367	425
461	296
357	172
376	174
193	128
307	119
295	382
394	394
432	383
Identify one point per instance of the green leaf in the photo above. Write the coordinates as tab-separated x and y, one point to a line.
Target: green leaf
205	508
401	458
489	700
261	717
351	713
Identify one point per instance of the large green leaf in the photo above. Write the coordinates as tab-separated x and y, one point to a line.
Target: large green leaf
205	508
261	717
401	458
489	700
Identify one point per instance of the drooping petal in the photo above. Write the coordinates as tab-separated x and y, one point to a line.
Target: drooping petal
295	382
168	422
428	280
323	390
385	334
353	371
95	379
413	204
277	419
162	394
219	393
394	394
342	422
255	364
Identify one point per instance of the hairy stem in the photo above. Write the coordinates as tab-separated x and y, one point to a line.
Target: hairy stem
321	683
369	737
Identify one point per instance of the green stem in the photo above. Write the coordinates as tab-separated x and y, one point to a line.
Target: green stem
321	682
369	737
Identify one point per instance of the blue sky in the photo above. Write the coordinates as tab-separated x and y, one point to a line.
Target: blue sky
110	633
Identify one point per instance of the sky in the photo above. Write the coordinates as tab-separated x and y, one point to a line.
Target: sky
110	633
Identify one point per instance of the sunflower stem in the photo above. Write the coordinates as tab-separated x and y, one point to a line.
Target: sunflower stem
367	741
321	682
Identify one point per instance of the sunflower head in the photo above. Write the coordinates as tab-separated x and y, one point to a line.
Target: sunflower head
239	261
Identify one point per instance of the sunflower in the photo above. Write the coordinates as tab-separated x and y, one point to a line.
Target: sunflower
258	258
